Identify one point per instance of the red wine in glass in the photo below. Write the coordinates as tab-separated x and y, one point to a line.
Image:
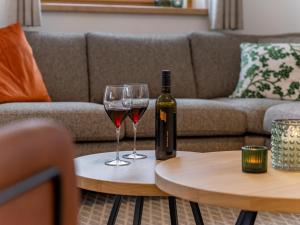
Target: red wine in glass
136	113
117	115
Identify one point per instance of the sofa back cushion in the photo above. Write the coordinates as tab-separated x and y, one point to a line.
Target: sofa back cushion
216	60
62	61
127	59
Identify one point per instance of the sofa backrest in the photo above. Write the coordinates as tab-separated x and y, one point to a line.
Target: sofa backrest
282	38
119	59
216	61
62	61
77	67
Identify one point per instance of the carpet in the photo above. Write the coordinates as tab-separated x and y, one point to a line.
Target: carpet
95	209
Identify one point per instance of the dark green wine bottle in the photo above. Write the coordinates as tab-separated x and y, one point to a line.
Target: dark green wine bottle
165	121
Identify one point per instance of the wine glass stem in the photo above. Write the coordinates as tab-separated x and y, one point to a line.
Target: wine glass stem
134	137
118	140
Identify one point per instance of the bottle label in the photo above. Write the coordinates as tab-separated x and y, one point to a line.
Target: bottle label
166	133
163	116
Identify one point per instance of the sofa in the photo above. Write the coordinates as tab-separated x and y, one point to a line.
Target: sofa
205	70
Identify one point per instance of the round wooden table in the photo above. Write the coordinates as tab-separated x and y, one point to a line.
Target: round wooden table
217	178
137	179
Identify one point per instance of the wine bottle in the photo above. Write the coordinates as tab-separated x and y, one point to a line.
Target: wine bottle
165	121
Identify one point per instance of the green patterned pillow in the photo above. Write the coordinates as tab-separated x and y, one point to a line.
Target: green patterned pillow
269	71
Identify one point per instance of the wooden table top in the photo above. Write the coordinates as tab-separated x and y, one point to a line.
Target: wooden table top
217	179
137	179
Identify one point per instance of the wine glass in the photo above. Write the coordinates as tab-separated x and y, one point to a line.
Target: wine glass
140	102
117	103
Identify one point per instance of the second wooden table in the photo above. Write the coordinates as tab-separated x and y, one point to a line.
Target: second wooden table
217	179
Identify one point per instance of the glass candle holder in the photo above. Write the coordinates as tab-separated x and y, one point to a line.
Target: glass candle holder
165	3
254	159
177	3
285	144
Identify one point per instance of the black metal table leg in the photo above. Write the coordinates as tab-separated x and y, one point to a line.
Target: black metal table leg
173	210
114	211
246	218
138	211
196	213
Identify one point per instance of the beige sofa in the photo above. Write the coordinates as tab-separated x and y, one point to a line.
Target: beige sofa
205	68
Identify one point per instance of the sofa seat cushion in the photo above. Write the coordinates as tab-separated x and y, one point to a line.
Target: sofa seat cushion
254	108
282	111
193	144
119	59
196	117
86	121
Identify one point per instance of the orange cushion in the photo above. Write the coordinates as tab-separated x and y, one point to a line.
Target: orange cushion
20	78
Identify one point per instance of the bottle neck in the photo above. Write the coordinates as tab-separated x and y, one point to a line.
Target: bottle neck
166	89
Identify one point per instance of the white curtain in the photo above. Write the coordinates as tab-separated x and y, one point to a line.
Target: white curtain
3	17
226	14
26	12
29	12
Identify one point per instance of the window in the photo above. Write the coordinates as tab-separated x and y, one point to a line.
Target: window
193	7
113	2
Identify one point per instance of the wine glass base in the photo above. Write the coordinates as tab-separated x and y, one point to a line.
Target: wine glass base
117	162
134	156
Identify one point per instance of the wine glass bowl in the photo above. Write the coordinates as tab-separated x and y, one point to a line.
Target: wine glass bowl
139	104
117	104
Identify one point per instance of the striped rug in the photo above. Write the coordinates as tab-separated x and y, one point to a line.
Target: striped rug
95	209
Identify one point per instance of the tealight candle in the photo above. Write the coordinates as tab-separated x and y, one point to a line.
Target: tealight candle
254	159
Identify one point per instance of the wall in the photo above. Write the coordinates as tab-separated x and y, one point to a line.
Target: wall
120	23
261	17
125	23
271	16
